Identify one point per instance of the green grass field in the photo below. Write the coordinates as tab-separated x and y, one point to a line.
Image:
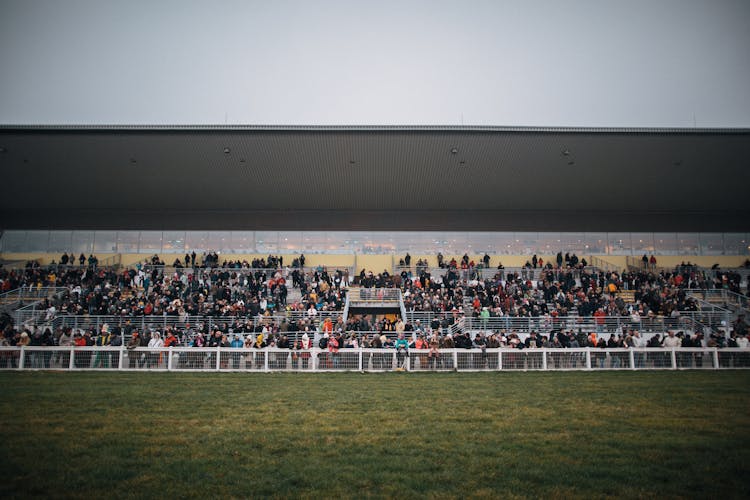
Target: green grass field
647	434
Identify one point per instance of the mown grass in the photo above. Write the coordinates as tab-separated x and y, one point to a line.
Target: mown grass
652	434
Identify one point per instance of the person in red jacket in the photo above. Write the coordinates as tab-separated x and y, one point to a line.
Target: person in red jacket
171	340
600	317
81	358
333	350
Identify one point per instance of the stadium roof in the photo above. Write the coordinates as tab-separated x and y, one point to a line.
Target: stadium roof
374	178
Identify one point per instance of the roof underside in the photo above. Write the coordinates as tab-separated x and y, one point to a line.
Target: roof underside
374	178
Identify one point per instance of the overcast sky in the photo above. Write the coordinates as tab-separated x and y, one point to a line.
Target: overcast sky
642	63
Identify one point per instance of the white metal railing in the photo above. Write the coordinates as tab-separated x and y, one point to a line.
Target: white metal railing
414	270
38	317
31	293
608	324
27	295
374	295
722	297
268	359
602	264
285	271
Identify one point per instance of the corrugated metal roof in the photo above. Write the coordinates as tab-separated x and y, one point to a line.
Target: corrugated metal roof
496	178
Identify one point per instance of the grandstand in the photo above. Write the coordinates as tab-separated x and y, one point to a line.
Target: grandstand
472	242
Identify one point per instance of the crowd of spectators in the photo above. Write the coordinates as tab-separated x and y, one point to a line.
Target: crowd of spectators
242	292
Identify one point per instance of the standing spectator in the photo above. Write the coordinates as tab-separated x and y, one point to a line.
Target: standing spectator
103	340
333	350
400	327
600	317
402	350
115	341
638	342
170	340
65	340
295	354
671	341
305	347
433	356
236	343
81	360
133	343
249	344
155	343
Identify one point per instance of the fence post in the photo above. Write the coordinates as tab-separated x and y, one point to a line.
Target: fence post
72	354
499	360
314	358
218	358
674	358
22	357
455	360
544	359
122	355
716	358
632	359
265	361
588	358
169	359
360	359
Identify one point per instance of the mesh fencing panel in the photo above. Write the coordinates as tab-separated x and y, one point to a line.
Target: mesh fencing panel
734	358
347	359
566	359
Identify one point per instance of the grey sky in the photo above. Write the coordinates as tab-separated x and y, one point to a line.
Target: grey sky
647	63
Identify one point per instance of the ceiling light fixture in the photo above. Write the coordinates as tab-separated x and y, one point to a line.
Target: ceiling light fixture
227	151
566	152
454	151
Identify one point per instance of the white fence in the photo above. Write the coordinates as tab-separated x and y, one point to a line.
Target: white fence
269	359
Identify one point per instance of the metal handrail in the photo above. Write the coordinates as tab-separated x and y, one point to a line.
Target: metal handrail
713	319
374	295
727	297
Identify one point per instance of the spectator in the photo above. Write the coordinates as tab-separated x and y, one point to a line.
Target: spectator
153	358
402	350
